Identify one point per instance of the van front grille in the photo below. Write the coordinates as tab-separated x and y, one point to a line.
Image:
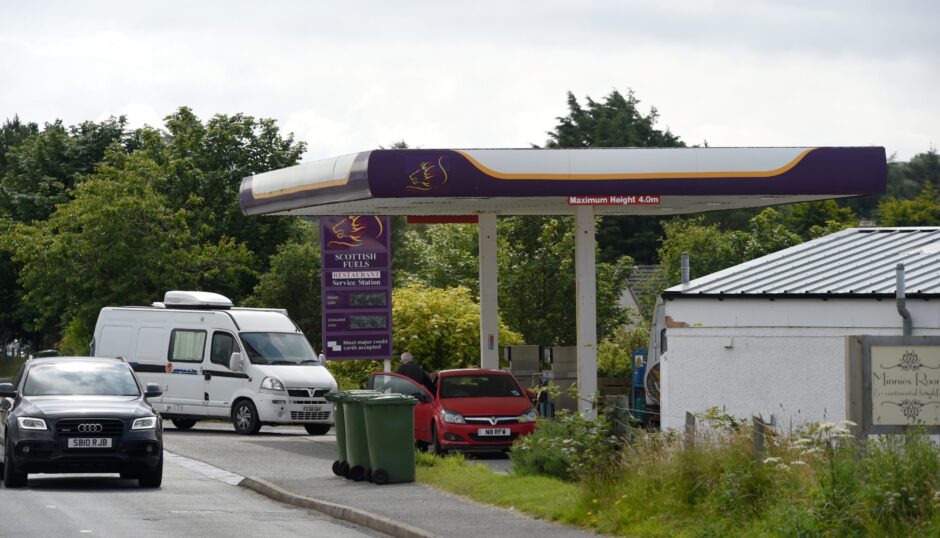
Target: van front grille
307	393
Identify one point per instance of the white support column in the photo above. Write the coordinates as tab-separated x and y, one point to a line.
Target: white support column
489	311
586	309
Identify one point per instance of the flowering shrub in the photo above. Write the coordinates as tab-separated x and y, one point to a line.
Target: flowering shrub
569	447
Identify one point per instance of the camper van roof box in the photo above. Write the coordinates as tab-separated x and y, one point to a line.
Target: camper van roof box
196	300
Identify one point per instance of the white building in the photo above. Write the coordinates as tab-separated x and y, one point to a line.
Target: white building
769	336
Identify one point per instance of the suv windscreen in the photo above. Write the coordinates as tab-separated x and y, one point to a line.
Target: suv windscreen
80	379
478	386
278	348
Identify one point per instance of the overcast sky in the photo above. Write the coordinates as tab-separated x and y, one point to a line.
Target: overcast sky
350	76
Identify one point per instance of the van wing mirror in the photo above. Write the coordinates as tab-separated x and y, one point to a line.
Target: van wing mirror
235	363
321	359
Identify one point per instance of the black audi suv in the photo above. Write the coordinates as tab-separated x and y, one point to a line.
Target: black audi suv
79	415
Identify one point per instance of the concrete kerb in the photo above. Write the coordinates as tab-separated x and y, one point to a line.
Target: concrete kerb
338	511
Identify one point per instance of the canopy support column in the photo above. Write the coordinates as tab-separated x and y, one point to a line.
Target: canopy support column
586	309
489	311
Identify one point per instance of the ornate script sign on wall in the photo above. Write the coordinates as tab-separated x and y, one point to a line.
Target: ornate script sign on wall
893	383
905	385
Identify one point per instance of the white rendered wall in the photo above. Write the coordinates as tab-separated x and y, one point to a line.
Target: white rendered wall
786	357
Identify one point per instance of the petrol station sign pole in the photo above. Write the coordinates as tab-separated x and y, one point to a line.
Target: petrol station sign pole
356	287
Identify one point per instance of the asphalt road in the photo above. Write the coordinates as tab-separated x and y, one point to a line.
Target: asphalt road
301	464
238	453
189	504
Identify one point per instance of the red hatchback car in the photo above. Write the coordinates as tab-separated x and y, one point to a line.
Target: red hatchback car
467	410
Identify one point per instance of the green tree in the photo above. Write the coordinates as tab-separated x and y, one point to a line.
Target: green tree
205	164
440	255
805	217
116	243
614	122
43	168
537	281
13	133
712	249
440	326
923	210
293	282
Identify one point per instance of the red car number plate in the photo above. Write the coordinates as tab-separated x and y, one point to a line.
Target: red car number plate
493	432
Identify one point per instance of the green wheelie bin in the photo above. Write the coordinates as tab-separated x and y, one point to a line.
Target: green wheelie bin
336	398
357	441
390	426
341	465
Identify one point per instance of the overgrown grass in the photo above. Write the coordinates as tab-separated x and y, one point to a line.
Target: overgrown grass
819	482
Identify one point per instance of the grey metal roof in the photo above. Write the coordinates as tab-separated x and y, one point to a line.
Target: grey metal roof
853	262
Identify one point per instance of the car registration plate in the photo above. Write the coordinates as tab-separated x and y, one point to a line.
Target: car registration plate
493	432
90	442
311	408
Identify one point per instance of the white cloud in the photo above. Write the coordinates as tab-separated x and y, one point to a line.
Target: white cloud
351	77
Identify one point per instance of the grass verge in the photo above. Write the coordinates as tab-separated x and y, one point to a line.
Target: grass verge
819	482
538	496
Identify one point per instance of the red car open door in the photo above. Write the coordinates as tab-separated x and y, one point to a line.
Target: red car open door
399	384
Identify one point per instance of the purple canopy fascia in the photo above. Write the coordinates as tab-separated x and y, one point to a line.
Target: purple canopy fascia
542	181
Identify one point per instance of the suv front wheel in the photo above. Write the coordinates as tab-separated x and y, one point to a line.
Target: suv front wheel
11	477
151	478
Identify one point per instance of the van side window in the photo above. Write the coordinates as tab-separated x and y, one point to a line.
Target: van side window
223	345
187	345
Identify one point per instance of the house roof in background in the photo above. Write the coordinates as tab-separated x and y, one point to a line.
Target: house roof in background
853	262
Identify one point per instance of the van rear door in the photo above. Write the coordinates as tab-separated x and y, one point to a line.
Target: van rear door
184	361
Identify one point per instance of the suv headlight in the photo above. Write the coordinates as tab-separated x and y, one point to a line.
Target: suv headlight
146	423
272	384
452	417
30	423
528	416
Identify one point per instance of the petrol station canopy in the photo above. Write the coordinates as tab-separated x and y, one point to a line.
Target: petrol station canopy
579	182
635	181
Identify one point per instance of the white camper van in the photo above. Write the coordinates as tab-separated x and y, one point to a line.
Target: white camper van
212	360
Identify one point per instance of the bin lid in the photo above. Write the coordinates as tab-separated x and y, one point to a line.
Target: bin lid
391	399
346	395
362	395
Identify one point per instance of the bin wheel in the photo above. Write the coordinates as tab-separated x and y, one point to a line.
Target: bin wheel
357	473
380	476
337	468
344	469
368	475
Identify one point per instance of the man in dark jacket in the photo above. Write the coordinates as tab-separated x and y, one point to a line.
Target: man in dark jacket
413	370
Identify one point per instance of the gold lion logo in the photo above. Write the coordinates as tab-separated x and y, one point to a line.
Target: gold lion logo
351	231
427	176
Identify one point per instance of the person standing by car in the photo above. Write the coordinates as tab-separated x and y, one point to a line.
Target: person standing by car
413	370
